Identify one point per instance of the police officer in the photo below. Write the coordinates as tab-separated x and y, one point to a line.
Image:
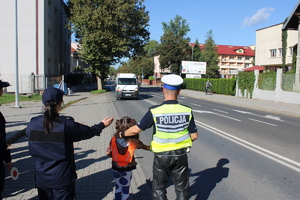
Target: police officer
51	140
173	133
5	158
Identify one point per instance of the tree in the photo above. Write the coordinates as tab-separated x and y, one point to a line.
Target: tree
140	66
178	26
210	56
172	50
108	30
150	48
112	71
174	45
196	52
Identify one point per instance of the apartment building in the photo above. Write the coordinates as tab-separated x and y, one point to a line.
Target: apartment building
268	51
233	59
43	43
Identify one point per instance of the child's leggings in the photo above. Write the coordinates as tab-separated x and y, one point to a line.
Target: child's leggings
122	181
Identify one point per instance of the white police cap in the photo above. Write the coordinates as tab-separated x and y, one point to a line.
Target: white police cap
172	81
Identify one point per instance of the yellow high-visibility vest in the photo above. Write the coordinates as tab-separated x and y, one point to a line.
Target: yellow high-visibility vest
171	123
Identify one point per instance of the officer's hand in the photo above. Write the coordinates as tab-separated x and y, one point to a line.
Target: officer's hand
107	121
8	165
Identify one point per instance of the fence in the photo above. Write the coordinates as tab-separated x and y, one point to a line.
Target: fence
30	83
286	90
290	82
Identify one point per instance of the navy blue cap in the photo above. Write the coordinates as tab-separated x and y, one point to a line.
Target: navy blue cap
52	94
4	84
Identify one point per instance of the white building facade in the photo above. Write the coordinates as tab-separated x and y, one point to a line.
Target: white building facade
268	50
43	43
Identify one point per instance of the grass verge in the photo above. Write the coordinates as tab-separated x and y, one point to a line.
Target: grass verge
98	91
9	98
71	102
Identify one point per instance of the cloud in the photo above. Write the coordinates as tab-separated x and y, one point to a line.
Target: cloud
259	17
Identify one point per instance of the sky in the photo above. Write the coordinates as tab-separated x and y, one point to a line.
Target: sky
233	22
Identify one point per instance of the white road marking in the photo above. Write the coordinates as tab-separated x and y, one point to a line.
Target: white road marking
196	104
151	102
221	111
202	111
262	122
269	154
273	117
267	116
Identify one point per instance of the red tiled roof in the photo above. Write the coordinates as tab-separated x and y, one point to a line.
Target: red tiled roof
256	67
73	50
231	50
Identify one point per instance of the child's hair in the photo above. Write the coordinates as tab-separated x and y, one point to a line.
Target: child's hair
125	123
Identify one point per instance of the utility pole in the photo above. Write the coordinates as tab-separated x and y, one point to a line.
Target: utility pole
17	60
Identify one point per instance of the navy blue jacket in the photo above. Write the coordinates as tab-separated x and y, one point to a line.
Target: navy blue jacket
54	152
4	152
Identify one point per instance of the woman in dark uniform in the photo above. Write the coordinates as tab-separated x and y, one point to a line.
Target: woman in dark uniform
4	152
51	140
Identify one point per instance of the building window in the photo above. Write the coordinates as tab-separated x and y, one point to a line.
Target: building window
273	53
56	15
49	66
49	38
240	58
247	65
280	52
49	8
247	58
231	57
66	51
55	41
291	49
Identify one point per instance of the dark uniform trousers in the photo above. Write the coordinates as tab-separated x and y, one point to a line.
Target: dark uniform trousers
166	163
2	177
67	193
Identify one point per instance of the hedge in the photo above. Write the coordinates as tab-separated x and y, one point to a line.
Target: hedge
220	86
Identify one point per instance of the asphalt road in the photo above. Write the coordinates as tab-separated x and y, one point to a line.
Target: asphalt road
240	153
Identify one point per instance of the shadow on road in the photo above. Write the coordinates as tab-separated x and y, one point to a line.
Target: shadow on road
207	179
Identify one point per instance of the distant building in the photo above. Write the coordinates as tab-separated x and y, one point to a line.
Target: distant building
43	43
76	61
233	59
268	51
158	72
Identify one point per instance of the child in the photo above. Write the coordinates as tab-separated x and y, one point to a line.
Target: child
121	150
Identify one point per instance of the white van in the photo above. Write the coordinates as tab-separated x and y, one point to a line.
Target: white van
126	86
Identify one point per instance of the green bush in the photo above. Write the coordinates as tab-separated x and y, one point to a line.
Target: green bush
246	83
220	86
267	80
151	78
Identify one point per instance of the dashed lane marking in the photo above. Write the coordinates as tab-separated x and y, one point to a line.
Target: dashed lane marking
221	111
202	111
262	122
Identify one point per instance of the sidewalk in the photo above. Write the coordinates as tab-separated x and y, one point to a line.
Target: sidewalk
95	180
